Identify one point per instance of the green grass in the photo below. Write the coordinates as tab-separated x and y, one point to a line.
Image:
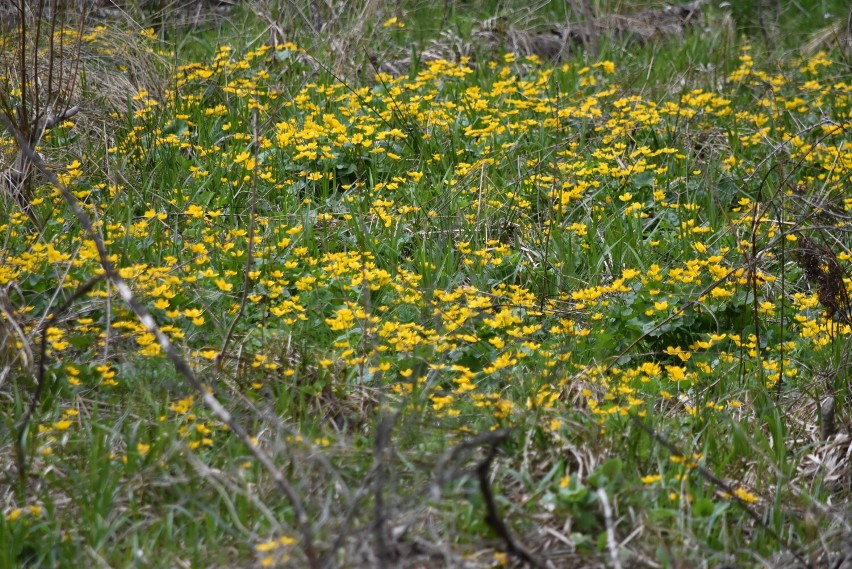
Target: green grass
626	260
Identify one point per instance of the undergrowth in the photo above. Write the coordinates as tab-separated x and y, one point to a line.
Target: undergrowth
490	309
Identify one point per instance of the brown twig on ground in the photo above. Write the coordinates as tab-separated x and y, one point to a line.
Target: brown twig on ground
492	517
442	472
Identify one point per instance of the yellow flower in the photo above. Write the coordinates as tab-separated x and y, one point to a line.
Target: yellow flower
608	67
676	373
745	496
266	546
194	211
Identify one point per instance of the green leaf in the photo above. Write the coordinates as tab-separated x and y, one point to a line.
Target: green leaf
703	507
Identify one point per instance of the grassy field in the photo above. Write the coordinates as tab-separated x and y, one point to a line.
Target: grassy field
427	294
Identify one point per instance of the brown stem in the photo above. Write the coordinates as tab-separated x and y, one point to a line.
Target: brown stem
492	517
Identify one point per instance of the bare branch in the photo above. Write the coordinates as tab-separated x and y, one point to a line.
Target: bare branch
492	517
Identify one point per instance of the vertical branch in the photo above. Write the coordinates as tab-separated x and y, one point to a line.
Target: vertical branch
51	48
752	276
783	242
36	87
74	72
591	27
23	111
34	110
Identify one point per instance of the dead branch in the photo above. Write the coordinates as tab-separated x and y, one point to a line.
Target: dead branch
492	517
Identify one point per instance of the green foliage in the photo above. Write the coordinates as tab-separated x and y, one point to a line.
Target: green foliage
574	250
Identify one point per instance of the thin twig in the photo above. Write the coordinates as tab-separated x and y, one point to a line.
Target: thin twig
442	470
492	517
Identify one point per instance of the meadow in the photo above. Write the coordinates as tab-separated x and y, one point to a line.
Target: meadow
468	307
